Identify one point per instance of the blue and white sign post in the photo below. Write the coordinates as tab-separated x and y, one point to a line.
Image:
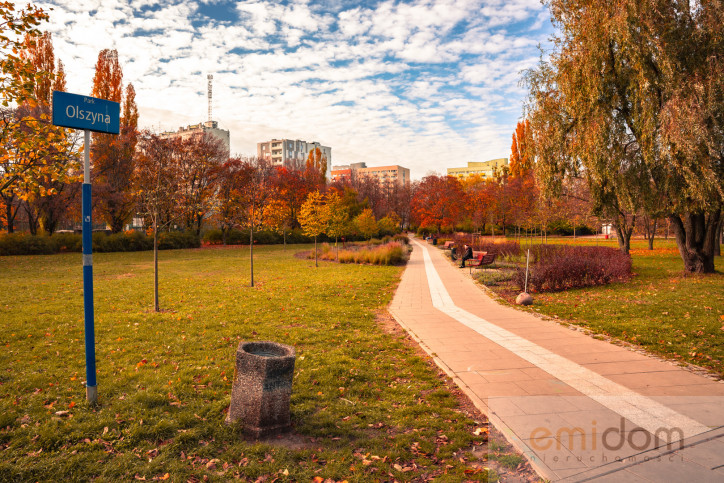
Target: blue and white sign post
90	114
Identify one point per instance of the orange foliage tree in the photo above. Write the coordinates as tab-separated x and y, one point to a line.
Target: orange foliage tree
113	156
438	202
48	197
27	142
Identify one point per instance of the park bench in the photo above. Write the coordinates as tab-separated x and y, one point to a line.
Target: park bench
448	245
481	259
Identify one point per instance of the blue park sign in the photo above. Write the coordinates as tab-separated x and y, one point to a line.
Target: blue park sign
84	112
90	114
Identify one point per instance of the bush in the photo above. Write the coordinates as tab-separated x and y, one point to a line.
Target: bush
389	254
560	267
504	248
121	242
402	239
177	239
494	277
67	242
23	244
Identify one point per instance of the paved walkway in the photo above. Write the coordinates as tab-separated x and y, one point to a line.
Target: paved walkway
579	408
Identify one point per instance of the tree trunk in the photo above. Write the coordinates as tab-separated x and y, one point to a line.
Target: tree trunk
315	251
10	216
336	247
651	233
155	264
116	222
718	237
284	235
695	235
623	236
32	218
223	235
251	252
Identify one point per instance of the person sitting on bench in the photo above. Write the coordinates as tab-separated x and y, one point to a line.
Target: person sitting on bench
467	255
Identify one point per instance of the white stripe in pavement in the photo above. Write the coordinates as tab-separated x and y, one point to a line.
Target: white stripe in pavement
640	410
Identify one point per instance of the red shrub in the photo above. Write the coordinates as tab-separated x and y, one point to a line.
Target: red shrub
503	248
560	267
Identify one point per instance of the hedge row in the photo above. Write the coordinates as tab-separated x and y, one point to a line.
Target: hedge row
264	237
24	244
561	267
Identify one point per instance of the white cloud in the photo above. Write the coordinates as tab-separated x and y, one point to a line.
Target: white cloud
424	83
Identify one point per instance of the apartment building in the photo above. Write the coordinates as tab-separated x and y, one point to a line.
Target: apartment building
486	169
383	174
291	152
208	127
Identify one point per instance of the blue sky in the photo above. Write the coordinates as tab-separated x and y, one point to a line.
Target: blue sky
425	84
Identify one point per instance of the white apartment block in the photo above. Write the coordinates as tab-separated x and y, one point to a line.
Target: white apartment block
208	127
385	175
291	152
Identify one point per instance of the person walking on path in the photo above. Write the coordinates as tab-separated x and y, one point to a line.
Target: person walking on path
467	255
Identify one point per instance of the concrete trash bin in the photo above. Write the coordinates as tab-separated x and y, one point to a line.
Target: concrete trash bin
262	388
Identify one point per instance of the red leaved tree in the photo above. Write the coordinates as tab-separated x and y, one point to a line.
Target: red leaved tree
438	202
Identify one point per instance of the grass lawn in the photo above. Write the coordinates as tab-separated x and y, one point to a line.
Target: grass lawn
365	406
662	309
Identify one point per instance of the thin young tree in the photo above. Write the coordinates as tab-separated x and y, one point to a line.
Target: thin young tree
156	188
258	190
314	217
338	222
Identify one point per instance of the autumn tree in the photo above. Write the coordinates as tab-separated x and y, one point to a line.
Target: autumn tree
314	216
316	166
292	188
520	158
17	76
389	224
438	202
480	193
631	100
29	144
338	218
48	197
254	196
229	181
155	180
200	158
366	224
113	155
276	217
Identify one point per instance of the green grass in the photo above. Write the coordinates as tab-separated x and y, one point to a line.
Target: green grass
364	405
662	309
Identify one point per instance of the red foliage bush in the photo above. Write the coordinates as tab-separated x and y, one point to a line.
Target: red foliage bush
503	248
560	267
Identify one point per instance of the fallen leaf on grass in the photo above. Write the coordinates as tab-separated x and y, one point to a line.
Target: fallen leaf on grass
480	431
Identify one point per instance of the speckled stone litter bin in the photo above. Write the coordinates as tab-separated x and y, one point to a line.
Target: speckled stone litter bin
262	388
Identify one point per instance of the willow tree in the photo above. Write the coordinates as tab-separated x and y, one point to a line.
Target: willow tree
631	99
